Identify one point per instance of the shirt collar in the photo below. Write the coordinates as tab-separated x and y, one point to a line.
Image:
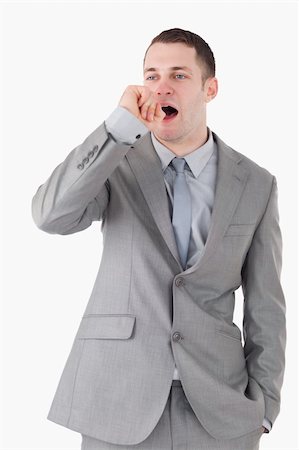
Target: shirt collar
196	160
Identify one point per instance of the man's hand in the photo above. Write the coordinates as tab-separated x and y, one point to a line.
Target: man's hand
140	101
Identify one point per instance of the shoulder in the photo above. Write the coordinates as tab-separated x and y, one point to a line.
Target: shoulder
256	173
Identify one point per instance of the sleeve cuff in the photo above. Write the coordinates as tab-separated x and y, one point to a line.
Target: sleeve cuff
267	424
124	127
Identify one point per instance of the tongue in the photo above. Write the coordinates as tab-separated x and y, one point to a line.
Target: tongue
170	112
170	116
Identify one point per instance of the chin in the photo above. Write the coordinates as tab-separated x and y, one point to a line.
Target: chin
167	135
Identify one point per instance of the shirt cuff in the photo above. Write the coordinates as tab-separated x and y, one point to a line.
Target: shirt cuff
267	424
124	127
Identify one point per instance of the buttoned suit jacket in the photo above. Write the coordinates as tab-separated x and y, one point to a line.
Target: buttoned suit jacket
146	313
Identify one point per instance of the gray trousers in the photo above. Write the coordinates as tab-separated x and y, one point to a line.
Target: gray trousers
179	429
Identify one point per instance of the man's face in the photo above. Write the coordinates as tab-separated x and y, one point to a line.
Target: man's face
180	88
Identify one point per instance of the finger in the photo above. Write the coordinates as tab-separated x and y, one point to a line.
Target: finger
160	113
145	94
146	109
143	110
141	100
158	117
151	112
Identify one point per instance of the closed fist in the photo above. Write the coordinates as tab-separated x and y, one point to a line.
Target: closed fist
140	101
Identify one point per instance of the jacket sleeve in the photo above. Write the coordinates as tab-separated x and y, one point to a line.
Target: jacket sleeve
77	192
264	323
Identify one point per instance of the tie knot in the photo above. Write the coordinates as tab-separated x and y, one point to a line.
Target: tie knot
179	164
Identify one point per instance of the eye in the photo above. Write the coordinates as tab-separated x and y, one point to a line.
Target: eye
151	76
180	75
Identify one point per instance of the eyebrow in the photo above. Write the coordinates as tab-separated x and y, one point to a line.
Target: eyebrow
153	69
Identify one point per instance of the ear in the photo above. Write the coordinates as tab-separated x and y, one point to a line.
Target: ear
211	88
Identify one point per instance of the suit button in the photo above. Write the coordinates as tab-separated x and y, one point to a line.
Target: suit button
179	281
80	166
85	160
90	154
177	336
95	148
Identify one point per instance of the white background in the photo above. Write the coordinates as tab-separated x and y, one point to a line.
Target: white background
65	68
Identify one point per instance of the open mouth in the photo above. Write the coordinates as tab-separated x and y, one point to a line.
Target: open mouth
170	112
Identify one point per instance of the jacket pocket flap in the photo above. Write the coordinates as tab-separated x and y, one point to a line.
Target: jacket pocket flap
106	326
232	332
239	229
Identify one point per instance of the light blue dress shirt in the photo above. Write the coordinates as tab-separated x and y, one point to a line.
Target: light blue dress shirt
200	171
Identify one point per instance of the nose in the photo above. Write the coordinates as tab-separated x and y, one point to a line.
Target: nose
163	88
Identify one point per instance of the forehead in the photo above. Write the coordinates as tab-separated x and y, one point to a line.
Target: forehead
163	56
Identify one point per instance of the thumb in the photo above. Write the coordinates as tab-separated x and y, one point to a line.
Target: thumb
159	113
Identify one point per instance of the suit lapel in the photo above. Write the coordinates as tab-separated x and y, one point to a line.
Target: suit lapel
146	165
230	182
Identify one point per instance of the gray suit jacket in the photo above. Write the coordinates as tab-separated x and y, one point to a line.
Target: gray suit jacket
146	313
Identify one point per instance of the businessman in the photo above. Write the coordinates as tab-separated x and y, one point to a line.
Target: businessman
157	361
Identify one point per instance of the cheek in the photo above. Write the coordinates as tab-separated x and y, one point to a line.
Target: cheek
196	109
191	106
190	113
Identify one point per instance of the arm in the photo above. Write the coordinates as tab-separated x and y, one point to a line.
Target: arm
264	323
77	192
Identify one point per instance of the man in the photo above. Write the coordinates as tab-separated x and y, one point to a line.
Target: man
157	362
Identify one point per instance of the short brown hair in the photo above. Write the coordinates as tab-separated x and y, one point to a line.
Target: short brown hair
204	54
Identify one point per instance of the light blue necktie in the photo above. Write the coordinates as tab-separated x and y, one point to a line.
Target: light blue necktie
181	215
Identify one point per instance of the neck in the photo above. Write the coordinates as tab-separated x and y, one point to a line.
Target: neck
186	146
